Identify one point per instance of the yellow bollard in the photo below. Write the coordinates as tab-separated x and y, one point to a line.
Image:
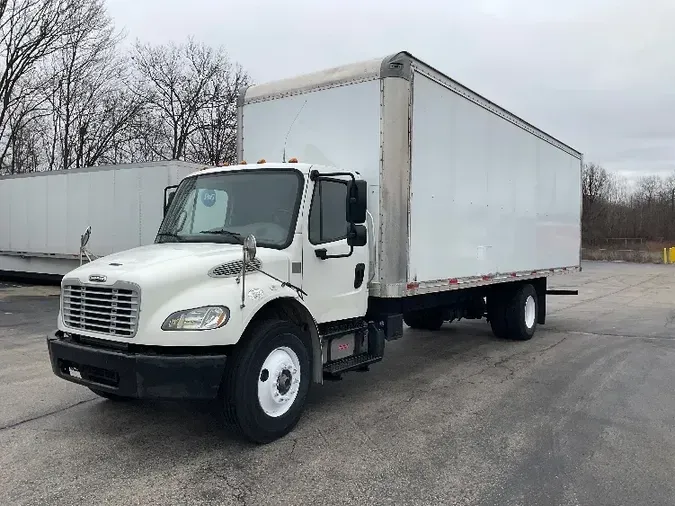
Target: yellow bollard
672	255
665	255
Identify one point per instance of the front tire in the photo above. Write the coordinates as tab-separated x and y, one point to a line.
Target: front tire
267	381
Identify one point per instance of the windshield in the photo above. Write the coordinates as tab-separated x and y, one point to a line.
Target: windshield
227	206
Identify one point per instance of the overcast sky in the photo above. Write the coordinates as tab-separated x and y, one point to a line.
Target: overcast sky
598	74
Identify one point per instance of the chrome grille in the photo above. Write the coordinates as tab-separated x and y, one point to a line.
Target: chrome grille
106	310
234	268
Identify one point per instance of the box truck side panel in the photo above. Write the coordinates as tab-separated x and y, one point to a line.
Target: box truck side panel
56	216
126	207
44	214
29	205
77	202
150	195
559	211
337	126
36	206
476	192
5	216
103	188
20	210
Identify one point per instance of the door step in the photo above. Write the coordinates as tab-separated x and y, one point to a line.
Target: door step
332	330
350	363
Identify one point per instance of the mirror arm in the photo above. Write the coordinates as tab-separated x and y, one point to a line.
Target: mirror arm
322	253
315	175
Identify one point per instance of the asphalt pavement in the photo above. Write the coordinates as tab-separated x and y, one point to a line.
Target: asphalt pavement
583	414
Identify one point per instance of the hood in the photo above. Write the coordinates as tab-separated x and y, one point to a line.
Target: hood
174	261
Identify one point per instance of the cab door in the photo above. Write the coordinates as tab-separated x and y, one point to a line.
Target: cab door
335	280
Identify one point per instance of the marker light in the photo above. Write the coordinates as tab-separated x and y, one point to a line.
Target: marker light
262	160
243	162
293	160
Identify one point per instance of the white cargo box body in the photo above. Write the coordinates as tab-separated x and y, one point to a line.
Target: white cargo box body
43	214
462	192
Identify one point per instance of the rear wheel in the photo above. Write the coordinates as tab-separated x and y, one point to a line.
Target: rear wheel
428	319
267	381
513	313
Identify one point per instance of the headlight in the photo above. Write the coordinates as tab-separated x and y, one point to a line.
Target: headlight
200	318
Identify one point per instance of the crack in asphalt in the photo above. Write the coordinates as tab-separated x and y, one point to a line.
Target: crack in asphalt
608	334
44	415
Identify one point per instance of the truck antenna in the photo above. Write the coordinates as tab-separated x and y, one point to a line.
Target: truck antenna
283	160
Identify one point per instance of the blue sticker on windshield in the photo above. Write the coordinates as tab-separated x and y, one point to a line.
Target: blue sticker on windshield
208	197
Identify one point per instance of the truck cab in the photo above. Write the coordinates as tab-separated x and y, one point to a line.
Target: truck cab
235	299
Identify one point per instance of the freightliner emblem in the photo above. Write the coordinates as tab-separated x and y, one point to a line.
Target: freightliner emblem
98	278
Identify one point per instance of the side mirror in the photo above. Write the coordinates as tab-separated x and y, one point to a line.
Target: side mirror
250	248
357	201
169	194
357	235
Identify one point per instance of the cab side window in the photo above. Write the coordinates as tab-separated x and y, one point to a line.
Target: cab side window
327	221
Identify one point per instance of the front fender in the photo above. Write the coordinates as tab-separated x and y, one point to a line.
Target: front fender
257	293
300	314
279	294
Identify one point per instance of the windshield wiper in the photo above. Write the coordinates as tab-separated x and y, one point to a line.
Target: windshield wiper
172	235
222	231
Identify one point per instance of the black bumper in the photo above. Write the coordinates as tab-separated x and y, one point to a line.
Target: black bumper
138	375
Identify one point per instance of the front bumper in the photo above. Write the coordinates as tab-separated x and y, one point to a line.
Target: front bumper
132	374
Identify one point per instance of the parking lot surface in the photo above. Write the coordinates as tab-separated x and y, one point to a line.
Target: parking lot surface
584	413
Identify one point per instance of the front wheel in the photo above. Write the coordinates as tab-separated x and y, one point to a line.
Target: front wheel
267	381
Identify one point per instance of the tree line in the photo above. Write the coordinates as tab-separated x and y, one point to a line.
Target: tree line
72	96
612	209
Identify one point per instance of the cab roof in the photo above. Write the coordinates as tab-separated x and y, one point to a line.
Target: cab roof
302	167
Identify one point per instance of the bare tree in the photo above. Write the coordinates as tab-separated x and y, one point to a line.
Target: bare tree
30	30
613	210
215	142
190	90
595	187
69	97
23	148
90	106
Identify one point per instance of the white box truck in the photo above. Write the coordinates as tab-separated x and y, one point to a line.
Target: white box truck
44	214
413	200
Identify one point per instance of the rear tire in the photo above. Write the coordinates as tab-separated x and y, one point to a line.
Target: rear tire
429	319
266	381
497	316
513	313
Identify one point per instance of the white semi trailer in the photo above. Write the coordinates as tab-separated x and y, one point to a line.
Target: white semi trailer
414	199
44	214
